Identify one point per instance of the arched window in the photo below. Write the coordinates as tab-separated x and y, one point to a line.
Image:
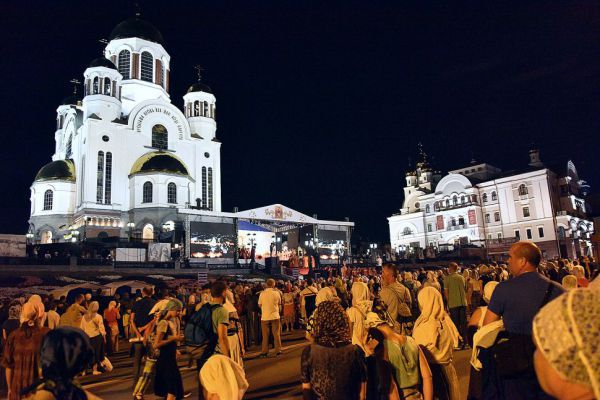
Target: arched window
46	237
523	190
205	110
148	231
455	200
494	196
100	178
461	220
496	216
484	197
69	149
160	137
108	178
95	89
407	231
453	222
196	108
462	199
447	202
106	89
48	199
147	192
427	209
172	193
124	63
147	67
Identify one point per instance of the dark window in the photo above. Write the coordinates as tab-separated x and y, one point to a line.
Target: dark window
429	228
48	199
529	236
172	193
68	151
95	86
204	202
100	178
196	108
494	196
124	63
107	86
526	212
461	220
523	190
147	193
518	235
160	137
147	67
108	178
541	232
484	197
210	188
205	110
427	209
487	217
462	199
496	216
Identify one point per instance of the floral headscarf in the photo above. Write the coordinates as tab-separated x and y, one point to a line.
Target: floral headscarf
566	332
331	325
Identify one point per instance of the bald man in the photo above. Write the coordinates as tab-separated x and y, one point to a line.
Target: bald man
517	301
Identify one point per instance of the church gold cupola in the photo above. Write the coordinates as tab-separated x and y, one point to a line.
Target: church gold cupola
136	48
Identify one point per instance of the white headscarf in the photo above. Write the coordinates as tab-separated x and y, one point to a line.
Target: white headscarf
434	329
222	376
325	294
488	290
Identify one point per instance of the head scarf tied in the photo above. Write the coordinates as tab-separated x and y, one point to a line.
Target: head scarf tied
112	305
35	300
14	312
172	304
65	352
331	325
566	332
325	294
32	312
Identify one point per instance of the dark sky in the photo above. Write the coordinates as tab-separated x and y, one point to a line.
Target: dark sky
320	104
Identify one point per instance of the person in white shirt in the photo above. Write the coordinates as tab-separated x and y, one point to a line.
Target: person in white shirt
269	302
93	326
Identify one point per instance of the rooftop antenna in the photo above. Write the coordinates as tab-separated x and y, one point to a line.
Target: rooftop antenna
104	42
75	82
199	70
473	160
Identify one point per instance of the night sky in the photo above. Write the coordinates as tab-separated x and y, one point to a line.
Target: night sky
321	104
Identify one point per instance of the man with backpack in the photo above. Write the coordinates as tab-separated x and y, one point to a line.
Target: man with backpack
308	297
396	297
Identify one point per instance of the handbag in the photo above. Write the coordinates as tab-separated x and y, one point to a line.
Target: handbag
106	364
513	353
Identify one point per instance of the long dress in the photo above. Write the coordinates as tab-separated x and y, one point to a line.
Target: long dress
22	355
168	378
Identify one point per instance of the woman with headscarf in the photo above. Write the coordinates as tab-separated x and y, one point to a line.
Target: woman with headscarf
332	347
65	353
432	281
323	295
567	359
112	316
93	326
411	372
169	384
478	314
12	323
357	314
341	292
22	350
437	335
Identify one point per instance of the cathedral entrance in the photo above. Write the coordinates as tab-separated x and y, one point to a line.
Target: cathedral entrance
46	237
148	232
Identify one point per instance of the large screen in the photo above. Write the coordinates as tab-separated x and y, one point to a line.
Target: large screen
211	240
331	243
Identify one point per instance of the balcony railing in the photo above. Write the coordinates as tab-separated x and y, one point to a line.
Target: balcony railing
452	206
456	227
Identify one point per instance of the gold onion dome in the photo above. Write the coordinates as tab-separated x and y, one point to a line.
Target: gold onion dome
63	170
159	162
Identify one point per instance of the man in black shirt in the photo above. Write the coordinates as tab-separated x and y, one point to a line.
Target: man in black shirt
140	321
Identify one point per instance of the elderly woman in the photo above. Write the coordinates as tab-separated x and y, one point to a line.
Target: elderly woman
412	376
93	326
437	335
64	354
12	323
567	359
168	383
22	350
332	347
357	314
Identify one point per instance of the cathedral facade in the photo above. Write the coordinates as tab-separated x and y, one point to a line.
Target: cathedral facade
126	158
482	206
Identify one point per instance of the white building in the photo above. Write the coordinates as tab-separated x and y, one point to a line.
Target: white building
126	158
481	206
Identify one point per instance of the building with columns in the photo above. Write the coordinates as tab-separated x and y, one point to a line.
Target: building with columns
126	158
482	206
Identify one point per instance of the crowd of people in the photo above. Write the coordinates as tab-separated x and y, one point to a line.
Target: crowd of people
531	328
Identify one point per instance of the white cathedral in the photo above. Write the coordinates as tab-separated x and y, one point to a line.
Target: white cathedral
127	159
481	206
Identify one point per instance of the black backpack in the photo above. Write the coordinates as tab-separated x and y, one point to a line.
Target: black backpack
199	328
